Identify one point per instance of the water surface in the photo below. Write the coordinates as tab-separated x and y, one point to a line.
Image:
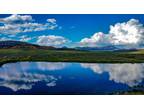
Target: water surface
69	78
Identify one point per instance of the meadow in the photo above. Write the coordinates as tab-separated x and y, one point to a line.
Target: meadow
15	55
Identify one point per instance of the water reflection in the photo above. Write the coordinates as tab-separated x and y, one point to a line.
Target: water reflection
16	76
25	75
51	66
130	74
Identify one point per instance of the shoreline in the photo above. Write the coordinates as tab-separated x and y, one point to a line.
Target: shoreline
99	62
31	55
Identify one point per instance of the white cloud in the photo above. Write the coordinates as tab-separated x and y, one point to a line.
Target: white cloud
51	20
127	34
15	24
16	19
98	39
9	29
5	38
51	40
25	38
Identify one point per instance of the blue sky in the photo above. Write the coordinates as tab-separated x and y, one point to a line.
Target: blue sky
71	27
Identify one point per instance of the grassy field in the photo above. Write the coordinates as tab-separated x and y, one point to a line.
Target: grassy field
14	55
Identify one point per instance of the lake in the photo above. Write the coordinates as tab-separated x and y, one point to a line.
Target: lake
69	78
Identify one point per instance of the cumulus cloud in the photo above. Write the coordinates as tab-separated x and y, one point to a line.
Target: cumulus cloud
127	34
15	24
51	40
98	39
130	74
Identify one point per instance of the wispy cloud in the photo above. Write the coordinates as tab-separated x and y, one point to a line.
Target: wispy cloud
25	38
51	20
15	24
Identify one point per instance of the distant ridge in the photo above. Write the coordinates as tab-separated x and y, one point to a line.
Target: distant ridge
22	45
105	48
11	44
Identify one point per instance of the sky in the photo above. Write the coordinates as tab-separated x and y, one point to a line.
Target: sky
72	30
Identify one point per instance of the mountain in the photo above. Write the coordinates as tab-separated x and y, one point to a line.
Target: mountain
127	50
65	48
23	45
106	48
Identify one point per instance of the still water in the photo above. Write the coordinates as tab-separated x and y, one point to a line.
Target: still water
69	78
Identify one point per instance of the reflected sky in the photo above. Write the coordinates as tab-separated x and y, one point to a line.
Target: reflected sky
23	75
130	74
71	76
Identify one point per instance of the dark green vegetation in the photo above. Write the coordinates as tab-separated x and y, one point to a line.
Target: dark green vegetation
26	54
132	92
136	90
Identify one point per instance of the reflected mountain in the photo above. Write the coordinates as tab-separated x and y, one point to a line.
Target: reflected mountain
130	74
24	75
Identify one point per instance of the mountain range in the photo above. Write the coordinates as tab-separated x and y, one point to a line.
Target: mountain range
24	45
97	48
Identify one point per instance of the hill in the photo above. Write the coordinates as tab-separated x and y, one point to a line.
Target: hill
21	45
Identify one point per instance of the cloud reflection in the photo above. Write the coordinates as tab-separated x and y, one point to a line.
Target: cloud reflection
130	74
25	75
51	66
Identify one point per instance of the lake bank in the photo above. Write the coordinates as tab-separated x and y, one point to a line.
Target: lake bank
16	55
